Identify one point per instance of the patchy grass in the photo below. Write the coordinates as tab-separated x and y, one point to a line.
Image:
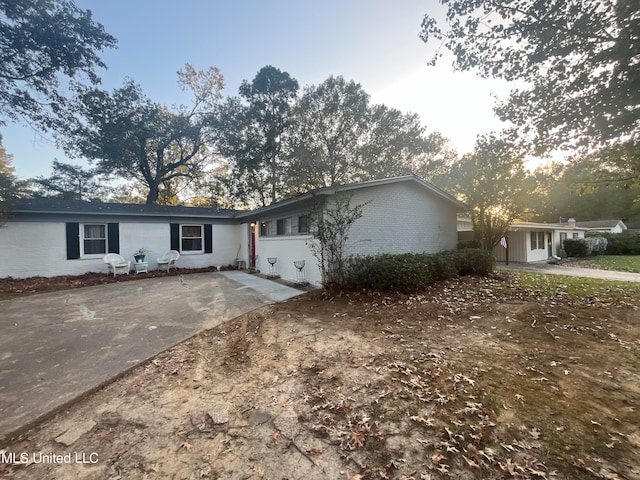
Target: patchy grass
620	263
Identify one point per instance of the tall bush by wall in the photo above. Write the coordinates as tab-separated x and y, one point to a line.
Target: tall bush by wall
583	247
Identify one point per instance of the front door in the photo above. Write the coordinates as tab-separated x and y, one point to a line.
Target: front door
252	246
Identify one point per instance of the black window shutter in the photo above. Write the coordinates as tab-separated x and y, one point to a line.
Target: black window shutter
113	237
208	238
73	240
175	236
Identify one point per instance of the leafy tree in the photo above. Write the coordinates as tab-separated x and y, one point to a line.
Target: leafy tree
567	190
211	188
615	165
71	182
396	143
42	42
252	127
341	138
127	134
10	187
491	181
130	192
578	62
331	120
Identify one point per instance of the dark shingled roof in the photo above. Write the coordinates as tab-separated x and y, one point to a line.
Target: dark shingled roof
598	224
55	205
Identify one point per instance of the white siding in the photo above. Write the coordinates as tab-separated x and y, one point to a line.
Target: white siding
520	246
517	248
154	237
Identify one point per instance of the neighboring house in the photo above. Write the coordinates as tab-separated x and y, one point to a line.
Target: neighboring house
528	241
633	225
54	237
607	226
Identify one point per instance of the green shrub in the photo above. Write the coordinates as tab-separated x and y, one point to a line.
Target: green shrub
409	272
575	247
597	245
625	243
472	261
583	247
462	244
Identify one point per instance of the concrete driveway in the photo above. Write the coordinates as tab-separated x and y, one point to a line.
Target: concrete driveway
543	267
56	347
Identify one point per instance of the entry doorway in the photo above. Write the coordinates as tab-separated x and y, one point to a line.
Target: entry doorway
252	246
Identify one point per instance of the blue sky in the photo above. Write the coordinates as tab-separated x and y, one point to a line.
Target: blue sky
373	43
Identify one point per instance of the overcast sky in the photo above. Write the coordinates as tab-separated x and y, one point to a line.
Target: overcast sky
373	43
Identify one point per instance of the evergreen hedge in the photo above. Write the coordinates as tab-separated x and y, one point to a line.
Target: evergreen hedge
410	272
625	243
583	247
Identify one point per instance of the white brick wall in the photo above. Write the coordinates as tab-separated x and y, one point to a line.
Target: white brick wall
287	249
402	218
30	249
39	249
399	218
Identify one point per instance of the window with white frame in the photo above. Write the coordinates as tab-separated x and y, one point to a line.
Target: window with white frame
93	239
537	241
191	239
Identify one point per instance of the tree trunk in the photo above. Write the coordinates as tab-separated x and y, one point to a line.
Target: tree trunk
152	196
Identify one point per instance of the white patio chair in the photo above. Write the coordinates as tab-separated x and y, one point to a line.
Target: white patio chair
117	264
168	259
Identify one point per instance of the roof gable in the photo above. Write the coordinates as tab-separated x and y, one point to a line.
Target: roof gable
328	191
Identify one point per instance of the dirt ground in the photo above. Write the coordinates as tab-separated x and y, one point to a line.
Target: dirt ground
472	379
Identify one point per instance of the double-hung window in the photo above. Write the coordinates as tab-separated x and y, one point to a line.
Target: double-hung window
191	238
93	239
537	241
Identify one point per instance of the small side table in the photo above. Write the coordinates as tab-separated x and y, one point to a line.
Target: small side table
141	267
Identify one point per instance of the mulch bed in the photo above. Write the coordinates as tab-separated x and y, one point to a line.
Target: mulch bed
10	286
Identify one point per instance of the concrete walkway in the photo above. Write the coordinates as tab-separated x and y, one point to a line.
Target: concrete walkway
571	271
56	347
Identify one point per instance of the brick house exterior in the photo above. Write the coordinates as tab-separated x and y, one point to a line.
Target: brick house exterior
51	237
